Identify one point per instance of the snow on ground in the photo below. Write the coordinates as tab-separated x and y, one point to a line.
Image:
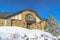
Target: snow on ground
18	33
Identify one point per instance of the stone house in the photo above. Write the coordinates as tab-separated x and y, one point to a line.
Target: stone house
25	18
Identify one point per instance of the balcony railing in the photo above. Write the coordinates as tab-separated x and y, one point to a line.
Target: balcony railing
31	20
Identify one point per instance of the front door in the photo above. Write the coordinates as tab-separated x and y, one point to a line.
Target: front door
28	25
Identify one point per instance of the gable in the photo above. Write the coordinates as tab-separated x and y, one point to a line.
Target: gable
33	13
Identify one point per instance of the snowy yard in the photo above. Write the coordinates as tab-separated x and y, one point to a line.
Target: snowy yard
18	33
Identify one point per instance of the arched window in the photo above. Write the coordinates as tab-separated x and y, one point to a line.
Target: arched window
28	17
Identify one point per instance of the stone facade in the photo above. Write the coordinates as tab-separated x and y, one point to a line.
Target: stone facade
1	22
20	20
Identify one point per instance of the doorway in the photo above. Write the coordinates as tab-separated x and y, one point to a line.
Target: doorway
28	25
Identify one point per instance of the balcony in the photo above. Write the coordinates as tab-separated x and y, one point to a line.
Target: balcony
31	20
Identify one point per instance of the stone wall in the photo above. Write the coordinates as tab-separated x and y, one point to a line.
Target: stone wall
1	22
12	22
40	25
18	23
8	22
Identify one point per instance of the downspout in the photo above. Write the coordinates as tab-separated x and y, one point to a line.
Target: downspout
5	22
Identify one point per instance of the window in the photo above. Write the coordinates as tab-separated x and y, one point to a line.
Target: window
28	17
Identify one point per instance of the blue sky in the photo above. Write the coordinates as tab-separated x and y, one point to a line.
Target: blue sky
42	7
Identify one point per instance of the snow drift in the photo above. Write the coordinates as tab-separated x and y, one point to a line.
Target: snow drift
18	33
